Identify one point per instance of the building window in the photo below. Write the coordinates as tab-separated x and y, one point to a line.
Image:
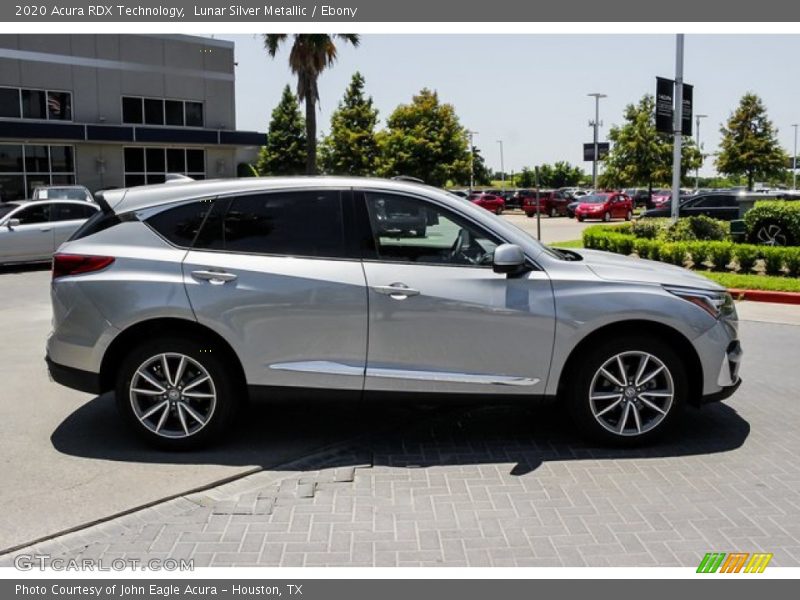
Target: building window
158	111
24	167
47	105
151	165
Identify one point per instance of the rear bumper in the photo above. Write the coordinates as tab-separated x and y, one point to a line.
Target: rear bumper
83	381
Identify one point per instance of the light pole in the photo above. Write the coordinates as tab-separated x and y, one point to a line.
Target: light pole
794	158
697	135
677	128
471	133
595	124
502	166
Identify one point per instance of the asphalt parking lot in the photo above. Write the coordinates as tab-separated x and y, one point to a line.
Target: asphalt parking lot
491	486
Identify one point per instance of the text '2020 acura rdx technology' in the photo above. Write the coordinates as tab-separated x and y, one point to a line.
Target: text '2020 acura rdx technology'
186	299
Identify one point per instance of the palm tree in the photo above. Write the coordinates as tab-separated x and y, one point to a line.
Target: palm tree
311	54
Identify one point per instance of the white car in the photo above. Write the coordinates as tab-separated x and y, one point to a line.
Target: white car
30	231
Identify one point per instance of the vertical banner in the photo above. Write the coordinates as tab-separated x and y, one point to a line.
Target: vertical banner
686	121
665	93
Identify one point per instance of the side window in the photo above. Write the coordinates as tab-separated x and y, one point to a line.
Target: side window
71	212
33	215
308	223
411	230
180	225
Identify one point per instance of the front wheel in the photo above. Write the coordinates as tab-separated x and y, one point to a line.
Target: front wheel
607	217
553	211
580	219
627	391
498	211
176	393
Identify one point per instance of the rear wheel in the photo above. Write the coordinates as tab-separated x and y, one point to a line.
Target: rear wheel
628	216
176	393
553	211
627	391
498	211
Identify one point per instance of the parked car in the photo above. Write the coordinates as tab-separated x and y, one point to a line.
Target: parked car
491	202
62	192
30	231
718	206
185	300
552	203
659	198
605	206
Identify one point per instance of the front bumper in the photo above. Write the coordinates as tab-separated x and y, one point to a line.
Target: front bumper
723	394
83	381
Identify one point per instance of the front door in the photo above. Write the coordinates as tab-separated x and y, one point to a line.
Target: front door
32	238
441	320
272	273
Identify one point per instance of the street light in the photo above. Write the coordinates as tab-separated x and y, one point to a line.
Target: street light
595	124
697	171
794	159
502	166
470	133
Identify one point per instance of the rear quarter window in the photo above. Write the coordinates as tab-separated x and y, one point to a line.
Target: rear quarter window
180	225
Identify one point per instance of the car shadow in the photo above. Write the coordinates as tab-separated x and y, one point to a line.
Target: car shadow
278	437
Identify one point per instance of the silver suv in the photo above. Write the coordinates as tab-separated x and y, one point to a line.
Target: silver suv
188	298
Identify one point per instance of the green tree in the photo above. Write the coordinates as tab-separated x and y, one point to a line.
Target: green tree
310	55
351	147
749	145
425	139
639	155
526	178
481	173
560	174
285	150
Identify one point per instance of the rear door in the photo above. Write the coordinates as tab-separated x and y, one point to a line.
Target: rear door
276	275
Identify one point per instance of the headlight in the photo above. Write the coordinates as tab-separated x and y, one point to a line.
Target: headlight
717	304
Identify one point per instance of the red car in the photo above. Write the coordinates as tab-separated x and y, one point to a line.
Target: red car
605	206
491	202
552	203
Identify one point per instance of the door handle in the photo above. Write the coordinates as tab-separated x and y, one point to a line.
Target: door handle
396	291
45	229
214	277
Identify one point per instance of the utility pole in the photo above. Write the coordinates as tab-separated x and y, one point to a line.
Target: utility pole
502	166
700	148
677	127
595	124
794	159
471	133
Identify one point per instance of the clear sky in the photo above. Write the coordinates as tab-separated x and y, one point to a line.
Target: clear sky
530	90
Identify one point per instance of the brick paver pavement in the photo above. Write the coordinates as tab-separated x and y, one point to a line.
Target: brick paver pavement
499	486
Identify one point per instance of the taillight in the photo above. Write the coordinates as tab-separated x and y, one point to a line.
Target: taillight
75	264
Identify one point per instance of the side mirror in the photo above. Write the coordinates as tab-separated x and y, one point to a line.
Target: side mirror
508	259
11	223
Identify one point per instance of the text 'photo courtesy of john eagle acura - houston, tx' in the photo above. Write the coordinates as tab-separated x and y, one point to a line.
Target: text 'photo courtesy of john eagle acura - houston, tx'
187	299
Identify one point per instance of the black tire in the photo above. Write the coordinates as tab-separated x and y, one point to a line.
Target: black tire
628	216
498	211
607	217
582	375
771	232
580	219
529	215
553	212
420	232
229	392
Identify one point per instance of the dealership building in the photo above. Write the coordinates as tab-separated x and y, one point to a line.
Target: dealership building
110	111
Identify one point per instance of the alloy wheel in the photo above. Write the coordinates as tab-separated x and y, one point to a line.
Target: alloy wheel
771	235
172	395
631	393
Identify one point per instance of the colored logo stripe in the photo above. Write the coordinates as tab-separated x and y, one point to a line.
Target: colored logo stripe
734	562
758	562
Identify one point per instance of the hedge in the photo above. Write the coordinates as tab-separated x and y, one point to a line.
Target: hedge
713	255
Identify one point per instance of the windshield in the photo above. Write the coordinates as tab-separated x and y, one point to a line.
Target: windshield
594	199
63	194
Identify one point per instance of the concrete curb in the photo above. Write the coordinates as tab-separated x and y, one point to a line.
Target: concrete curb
766	296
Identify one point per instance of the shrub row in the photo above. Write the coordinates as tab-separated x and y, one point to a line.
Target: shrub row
716	255
688	229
